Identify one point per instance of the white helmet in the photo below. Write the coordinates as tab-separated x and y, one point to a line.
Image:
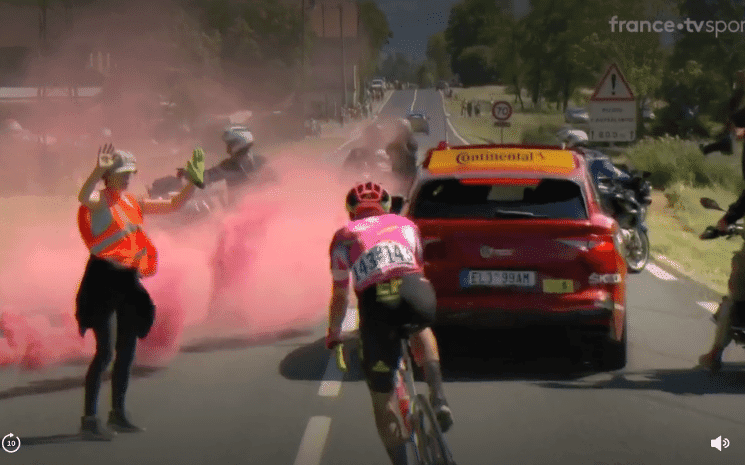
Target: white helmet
573	137
237	138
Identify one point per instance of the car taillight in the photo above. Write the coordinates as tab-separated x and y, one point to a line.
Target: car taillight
599	250
434	248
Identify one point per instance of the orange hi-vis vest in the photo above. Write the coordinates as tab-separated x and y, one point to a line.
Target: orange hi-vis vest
115	233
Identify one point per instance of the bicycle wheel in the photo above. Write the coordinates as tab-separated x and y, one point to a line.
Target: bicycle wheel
428	436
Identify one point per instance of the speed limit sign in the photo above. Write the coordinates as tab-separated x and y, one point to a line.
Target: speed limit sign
501	110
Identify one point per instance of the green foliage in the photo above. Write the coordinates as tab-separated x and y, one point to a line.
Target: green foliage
671	160
374	25
437	52
543	134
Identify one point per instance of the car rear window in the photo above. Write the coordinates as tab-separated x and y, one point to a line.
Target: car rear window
550	198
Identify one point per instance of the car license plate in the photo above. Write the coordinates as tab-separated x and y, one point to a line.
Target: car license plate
558	286
495	278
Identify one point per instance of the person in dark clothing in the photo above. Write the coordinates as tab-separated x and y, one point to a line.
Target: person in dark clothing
242	165
402	150
733	306
111	294
736	119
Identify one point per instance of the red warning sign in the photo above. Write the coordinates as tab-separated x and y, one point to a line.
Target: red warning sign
612	87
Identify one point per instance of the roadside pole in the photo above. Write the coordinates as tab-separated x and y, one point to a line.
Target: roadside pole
502	111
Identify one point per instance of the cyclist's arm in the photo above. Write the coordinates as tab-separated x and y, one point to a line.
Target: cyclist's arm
338	305
340	271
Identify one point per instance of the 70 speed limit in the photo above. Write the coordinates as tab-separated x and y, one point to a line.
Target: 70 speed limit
501	110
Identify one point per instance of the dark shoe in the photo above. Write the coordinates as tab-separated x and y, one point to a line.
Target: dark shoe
118	422
442	412
711	362
91	430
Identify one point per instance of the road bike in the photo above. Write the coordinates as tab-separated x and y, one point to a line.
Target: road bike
426	444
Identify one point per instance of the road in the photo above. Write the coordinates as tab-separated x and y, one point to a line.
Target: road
515	401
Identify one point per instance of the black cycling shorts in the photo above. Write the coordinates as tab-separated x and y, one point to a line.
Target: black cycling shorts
383	309
106	288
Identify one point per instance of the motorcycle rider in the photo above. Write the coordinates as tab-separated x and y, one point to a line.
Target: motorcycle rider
402	150
732	307
382	252
371	151
241	165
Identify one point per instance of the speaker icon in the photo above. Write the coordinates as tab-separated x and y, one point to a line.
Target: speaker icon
718	443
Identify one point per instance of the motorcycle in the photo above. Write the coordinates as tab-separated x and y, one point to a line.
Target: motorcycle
712	232
627	201
203	203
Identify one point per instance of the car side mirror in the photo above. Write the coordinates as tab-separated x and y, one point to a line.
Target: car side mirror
397	204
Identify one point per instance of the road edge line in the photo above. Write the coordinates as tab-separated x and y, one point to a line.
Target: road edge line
447	119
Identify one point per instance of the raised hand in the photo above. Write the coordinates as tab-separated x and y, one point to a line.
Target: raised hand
105	157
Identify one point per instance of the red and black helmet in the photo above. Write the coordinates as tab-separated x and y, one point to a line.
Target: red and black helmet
368	194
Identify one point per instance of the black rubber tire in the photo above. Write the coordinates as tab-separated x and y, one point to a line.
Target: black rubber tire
639	267
432	447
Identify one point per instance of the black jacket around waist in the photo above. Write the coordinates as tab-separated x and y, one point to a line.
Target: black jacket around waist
107	288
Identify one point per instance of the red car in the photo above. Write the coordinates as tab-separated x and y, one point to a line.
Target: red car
515	236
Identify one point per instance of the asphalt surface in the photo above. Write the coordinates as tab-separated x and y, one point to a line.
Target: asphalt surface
514	397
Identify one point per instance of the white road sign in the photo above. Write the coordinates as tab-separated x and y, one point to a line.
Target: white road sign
612	109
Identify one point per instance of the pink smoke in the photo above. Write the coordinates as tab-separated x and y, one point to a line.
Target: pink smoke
262	269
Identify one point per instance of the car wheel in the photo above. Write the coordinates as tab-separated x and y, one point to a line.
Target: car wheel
613	354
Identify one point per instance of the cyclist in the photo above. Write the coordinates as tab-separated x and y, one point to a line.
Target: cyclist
732	307
111	299
383	252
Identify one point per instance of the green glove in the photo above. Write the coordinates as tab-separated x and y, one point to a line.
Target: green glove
195	168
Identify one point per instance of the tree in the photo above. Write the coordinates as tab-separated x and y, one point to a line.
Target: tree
438	54
374	26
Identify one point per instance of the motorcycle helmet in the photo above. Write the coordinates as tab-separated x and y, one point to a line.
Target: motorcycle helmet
237	138
368	197
573	137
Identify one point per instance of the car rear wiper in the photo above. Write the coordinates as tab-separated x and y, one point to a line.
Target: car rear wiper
516	214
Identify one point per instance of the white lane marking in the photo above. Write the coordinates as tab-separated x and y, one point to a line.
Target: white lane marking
660	273
314	441
710	306
411	108
449	123
332	377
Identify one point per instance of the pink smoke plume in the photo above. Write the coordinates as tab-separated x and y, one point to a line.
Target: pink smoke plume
261	269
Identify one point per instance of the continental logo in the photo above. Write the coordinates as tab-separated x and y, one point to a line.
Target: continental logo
464	158
549	160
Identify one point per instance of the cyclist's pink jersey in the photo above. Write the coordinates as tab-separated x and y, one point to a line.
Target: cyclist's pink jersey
375	249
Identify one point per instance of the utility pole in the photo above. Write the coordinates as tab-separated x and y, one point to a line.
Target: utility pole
343	63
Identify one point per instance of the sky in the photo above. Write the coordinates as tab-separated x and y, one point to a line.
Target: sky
414	21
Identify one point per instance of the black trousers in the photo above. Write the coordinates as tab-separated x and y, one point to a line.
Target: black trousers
113	303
